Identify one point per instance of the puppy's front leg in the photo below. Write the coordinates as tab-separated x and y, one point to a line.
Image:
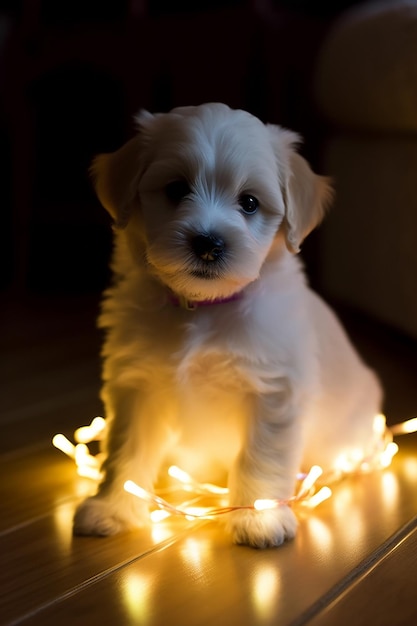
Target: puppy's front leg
265	469
134	447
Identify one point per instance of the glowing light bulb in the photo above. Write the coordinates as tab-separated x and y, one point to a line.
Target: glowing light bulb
64	444
180	475
84	458
159	515
138	491
311	478
323	494
380	424
152	498
388	454
85	434
264	505
353	461
200	512
214	489
89	472
405	428
81	454
189	484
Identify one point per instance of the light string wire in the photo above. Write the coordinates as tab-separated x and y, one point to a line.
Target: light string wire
309	493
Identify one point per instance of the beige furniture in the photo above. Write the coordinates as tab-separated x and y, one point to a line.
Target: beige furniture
366	90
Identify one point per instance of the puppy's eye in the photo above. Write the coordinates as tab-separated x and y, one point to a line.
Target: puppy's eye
177	190
249	204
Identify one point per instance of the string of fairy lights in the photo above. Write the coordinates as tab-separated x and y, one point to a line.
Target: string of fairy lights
312	487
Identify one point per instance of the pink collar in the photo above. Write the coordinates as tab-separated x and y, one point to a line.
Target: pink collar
192	305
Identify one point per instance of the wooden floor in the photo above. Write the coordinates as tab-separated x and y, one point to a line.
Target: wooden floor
354	560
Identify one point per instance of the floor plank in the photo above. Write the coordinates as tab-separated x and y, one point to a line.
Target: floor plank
35	484
97	578
42	562
352	547
382	594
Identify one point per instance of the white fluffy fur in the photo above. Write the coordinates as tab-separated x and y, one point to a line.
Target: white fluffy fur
255	387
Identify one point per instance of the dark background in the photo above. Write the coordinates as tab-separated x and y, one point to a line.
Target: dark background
74	72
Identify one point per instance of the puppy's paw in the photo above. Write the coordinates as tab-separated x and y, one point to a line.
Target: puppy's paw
263	529
103	516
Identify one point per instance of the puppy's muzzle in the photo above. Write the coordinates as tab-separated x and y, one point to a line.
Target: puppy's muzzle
208	247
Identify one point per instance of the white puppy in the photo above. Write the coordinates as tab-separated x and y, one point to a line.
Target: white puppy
218	356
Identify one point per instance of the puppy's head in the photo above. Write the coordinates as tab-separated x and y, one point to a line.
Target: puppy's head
205	193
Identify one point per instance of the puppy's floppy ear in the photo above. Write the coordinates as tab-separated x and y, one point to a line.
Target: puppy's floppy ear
116	177
306	195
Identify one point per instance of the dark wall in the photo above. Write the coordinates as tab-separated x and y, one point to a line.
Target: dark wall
74	73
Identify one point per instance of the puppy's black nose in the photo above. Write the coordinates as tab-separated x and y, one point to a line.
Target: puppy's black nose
208	247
